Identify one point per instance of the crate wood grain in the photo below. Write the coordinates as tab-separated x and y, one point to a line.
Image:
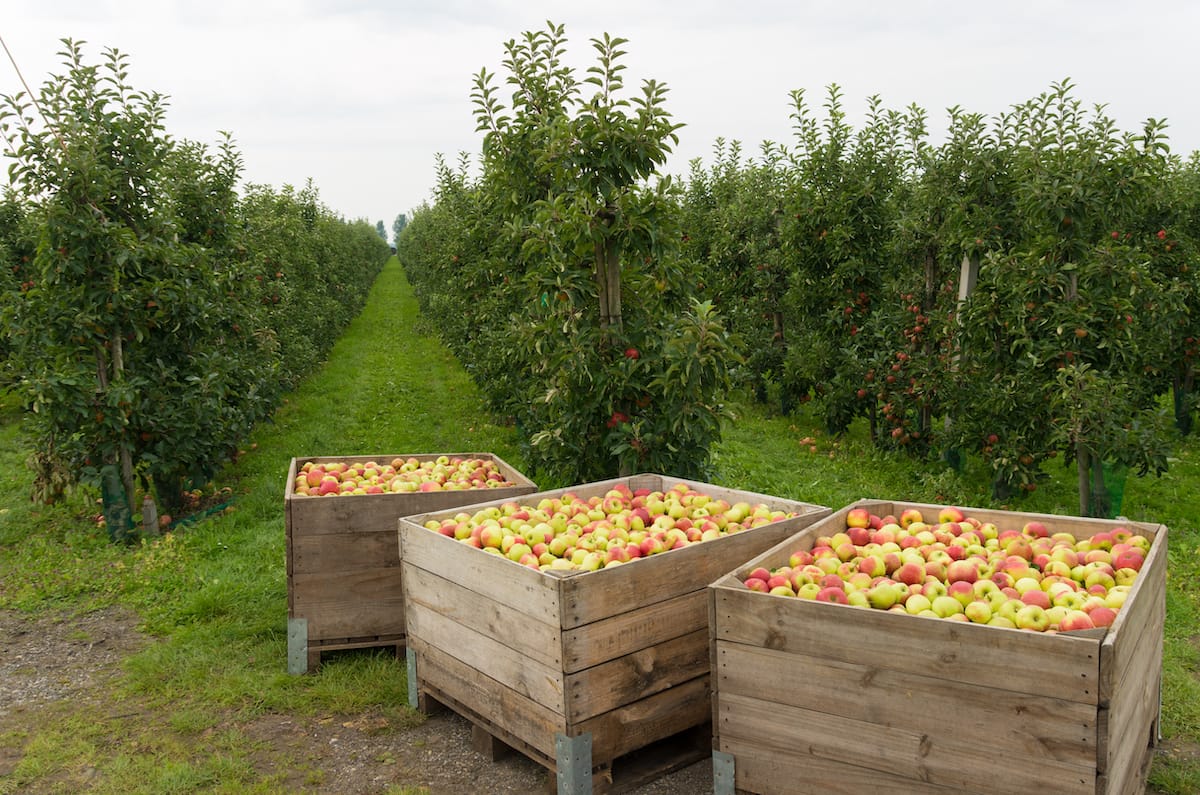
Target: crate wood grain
618	657
817	697
343	561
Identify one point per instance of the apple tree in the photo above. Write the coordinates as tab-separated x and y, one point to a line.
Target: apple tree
129	353
733	215
1066	341
838	227
621	368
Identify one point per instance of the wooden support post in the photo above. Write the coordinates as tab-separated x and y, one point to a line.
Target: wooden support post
410	659
723	764
573	756
297	637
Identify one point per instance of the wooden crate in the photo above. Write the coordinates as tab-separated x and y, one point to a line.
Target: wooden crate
343	562
812	697
577	670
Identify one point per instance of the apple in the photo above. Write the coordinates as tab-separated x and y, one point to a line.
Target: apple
978	612
910	573
882	596
1032	617
808	591
961	590
1076	620
965	570
858	517
1129	558
917	603
950	514
1036	596
1035	529
945	606
910	516
832	594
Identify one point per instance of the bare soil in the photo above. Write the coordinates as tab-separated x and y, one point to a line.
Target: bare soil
45	661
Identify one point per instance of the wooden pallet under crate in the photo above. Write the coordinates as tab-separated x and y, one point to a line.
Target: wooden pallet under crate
577	670
812	697
343	561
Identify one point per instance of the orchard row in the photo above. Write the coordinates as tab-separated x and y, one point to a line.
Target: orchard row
968	297
149	326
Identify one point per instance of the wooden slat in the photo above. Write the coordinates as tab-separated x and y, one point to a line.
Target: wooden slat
767	771
497	579
516	719
1068	667
1133	627
646	720
537	640
1010	725
897	751
627	679
607	639
540	683
349	604
346	552
1133	710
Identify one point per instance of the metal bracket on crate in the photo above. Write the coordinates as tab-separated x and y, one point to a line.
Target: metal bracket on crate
410	660
722	773
297	655
573	756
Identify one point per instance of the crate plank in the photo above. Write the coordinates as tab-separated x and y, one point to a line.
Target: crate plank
1012	725
609	638
511	668
349	604
518	587
1133	625
767	769
970	653
1134	706
535	639
639	723
326	552
505	713
634	676
937	759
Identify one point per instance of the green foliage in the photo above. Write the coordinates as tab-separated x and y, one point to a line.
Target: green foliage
556	277
138	340
849	267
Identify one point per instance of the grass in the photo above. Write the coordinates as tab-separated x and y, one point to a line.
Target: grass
214	593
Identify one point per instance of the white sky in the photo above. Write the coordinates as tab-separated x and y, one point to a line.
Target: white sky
359	96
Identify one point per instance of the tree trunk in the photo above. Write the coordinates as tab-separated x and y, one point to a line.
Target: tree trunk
1100	504
608	285
126	460
1083	460
1181	391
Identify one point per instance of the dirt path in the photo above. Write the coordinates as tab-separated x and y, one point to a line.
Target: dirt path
46	660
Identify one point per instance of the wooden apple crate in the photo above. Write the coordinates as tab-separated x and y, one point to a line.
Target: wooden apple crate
812	697
577	670
343	562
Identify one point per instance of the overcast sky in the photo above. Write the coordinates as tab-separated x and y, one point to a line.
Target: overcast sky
360	96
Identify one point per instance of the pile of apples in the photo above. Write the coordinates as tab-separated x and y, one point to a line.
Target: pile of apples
572	533
402	475
959	568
